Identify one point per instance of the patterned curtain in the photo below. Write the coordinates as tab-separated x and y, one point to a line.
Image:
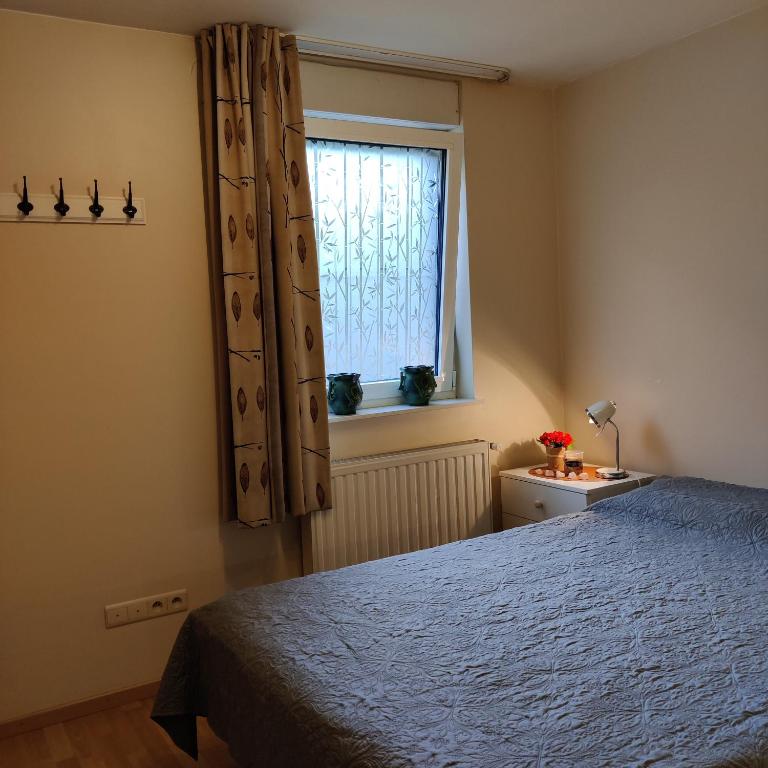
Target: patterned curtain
266	286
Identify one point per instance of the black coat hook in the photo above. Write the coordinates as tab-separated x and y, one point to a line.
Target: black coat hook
61	207
96	209
25	206
130	210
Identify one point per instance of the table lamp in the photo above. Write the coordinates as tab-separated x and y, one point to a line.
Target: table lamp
601	414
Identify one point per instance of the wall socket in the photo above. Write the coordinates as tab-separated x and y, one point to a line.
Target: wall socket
131	611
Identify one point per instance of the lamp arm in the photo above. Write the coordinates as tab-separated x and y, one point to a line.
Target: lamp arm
611	421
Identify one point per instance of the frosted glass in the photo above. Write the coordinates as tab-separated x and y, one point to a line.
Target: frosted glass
378	221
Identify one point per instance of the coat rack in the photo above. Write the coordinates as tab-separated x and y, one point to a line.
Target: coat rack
59	207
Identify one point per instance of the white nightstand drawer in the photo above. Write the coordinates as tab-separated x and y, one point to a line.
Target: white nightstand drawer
513	521
537	502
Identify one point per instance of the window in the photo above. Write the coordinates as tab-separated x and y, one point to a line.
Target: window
386	216
378	219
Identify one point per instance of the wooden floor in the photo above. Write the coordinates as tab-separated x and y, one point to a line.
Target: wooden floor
124	737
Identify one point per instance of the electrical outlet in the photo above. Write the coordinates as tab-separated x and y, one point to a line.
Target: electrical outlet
157	606
115	615
177	601
137	610
145	608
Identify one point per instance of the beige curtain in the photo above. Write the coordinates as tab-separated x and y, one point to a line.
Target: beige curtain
266	286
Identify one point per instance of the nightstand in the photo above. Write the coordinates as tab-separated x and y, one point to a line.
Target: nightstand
529	498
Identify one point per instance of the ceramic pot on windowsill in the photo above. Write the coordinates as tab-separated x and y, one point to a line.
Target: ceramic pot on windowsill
555	459
417	383
344	393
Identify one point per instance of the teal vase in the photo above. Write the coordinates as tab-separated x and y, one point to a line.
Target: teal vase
417	383
344	393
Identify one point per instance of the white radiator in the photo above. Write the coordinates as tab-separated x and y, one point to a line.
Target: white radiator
400	502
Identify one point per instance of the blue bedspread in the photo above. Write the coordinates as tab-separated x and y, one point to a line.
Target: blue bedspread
633	634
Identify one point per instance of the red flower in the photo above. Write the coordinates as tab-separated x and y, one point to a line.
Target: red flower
556	439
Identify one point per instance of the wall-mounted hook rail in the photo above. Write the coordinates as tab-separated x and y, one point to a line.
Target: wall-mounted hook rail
25	206
75	209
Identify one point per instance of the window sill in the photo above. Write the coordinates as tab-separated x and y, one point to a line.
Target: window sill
397	410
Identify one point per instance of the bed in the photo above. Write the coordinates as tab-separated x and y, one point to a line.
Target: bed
632	634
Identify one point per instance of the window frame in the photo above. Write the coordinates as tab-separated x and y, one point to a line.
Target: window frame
379	393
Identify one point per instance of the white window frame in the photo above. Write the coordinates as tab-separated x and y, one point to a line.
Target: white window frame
379	393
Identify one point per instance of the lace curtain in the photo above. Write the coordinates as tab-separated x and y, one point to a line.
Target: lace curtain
378	214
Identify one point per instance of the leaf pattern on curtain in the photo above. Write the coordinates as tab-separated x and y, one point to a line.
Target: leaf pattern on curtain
270	294
377	216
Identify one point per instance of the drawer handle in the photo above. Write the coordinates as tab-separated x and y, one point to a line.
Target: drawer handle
538	504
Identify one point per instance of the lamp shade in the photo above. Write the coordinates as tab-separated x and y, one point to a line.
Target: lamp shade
601	412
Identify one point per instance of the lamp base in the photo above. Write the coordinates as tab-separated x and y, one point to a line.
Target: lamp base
611	473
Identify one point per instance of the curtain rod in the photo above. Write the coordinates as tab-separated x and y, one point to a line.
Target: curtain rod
316	48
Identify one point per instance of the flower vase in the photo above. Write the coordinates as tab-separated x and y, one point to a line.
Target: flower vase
555	459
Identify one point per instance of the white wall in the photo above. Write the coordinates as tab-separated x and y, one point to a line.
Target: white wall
510	215
108	485
107	431
386	96
663	226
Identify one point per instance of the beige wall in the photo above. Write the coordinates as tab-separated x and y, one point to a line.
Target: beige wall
350	92
508	152
663	238
107	430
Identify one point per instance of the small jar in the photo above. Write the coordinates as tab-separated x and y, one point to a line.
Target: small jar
574	462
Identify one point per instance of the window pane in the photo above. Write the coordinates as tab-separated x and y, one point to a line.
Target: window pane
378	221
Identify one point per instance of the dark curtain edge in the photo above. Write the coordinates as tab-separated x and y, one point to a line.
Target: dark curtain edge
226	466
258	39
